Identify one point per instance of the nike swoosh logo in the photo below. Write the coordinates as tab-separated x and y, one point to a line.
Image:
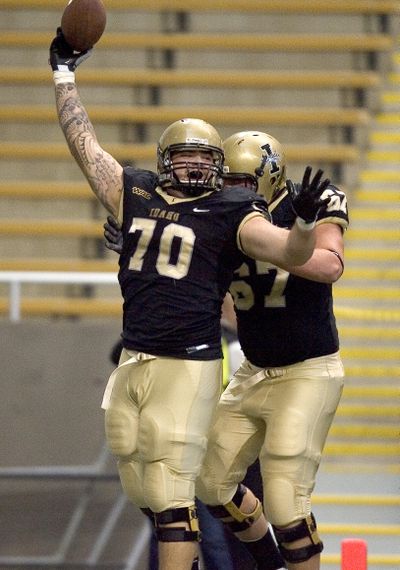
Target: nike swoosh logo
199	210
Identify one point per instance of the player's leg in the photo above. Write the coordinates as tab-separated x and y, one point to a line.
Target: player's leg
303	403
240	555
253	480
158	413
234	442
122	428
177	405
220	549
153	546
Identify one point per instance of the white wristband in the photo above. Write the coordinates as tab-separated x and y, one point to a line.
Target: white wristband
307	226
66	76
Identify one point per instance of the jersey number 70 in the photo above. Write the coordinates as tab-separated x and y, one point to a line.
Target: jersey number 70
177	269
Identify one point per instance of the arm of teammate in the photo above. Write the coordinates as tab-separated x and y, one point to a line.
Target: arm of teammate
228	316
261	240
326	264
113	235
103	172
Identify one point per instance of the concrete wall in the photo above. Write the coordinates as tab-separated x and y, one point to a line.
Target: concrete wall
54	374
54	377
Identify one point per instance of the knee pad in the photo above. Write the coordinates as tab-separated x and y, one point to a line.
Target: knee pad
131	477
231	515
305	528
163	488
177	533
121	427
285	500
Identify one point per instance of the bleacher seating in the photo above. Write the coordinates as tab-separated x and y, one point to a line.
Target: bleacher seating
124	152
307	72
57	264
66	307
256	79
280	6
165	114
227	42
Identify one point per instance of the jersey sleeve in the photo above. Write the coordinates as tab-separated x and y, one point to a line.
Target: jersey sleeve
335	211
256	209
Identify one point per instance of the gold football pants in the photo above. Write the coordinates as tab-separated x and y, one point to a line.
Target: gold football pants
157	417
282	415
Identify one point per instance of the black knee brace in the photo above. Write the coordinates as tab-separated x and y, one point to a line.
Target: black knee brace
306	527
178	533
231	515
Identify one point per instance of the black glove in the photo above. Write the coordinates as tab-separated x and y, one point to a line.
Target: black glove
63	57
113	235
306	197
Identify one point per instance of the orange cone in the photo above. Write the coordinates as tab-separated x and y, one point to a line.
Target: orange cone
354	554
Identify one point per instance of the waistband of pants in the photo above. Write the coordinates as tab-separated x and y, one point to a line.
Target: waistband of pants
276	372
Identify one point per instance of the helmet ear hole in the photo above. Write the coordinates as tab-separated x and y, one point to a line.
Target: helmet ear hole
187	135
259	155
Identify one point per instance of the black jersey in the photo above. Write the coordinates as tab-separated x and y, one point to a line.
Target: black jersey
176	265
283	319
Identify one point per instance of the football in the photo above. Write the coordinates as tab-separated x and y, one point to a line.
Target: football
83	23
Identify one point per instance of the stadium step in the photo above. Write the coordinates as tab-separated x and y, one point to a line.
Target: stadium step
361	452
371	515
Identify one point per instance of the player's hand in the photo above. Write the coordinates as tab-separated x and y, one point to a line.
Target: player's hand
63	57
113	235
306	197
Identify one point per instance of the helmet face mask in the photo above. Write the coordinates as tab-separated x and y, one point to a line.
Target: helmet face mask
240	179
190	157
260	157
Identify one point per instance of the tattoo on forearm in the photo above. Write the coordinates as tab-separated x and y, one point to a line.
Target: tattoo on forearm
96	164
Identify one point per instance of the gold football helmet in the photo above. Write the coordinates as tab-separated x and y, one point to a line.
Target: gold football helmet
184	136
256	155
